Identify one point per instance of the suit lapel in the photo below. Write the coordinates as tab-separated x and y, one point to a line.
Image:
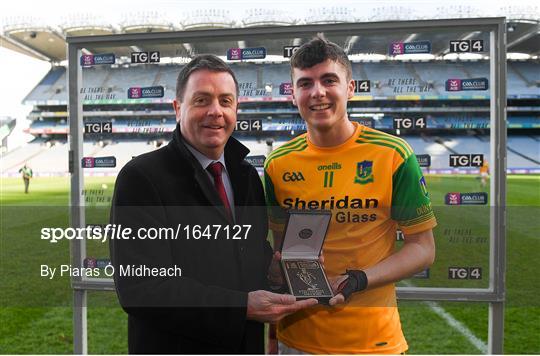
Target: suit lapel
199	174
240	185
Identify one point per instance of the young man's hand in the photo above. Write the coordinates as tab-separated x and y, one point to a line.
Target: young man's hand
345	285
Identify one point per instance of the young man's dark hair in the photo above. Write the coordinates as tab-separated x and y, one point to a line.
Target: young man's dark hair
317	51
203	61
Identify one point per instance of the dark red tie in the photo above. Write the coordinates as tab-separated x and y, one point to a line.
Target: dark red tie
216	168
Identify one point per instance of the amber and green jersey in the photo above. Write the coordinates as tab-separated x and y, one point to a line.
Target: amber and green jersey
373	185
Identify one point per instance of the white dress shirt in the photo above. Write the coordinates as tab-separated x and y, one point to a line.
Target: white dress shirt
205	162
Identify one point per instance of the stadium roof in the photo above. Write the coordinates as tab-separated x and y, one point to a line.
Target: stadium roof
7	124
49	42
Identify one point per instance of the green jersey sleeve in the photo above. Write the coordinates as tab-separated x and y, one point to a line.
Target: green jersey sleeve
411	204
276	213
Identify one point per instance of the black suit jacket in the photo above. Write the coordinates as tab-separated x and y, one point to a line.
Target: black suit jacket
204	310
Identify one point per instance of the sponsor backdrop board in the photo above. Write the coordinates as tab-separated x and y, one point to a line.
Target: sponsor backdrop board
406	95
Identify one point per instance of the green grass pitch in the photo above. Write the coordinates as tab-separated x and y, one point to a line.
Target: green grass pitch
36	314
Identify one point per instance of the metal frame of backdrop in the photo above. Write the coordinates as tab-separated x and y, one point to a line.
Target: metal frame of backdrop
494	294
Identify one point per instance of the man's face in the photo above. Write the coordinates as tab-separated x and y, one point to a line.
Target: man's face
321	93
207	113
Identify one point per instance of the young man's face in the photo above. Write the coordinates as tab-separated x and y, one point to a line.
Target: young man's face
207	113
321	93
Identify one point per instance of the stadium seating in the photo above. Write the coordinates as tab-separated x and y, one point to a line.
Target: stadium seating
52	161
13	160
529	149
125	150
523	77
523	80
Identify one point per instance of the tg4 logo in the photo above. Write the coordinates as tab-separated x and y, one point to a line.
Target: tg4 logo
464	272
466	160
409	123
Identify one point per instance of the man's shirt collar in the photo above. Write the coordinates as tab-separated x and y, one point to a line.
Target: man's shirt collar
202	159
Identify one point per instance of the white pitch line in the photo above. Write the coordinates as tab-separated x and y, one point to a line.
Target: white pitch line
462	329
456	324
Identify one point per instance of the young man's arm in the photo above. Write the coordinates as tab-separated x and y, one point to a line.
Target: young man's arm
411	209
417	254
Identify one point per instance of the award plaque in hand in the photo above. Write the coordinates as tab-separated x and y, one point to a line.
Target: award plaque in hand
302	245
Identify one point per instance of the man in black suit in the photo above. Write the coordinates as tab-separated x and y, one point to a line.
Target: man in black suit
201	290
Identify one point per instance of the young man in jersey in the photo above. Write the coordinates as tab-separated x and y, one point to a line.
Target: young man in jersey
484	174
373	185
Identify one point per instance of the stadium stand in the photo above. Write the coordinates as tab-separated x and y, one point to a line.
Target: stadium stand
51	161
457	122
523	77
523	151
125	150
13	160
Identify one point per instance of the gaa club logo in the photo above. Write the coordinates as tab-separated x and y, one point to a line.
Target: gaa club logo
285	89
135	93
397	48
453	198
364	172
453	85
234	53
476	198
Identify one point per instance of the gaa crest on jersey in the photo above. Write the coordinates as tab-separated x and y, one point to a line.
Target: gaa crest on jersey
364	172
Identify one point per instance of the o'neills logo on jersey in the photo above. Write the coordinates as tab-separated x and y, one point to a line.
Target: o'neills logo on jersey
343	203
329	167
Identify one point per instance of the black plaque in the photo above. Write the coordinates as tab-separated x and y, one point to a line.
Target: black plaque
301	247
306	279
